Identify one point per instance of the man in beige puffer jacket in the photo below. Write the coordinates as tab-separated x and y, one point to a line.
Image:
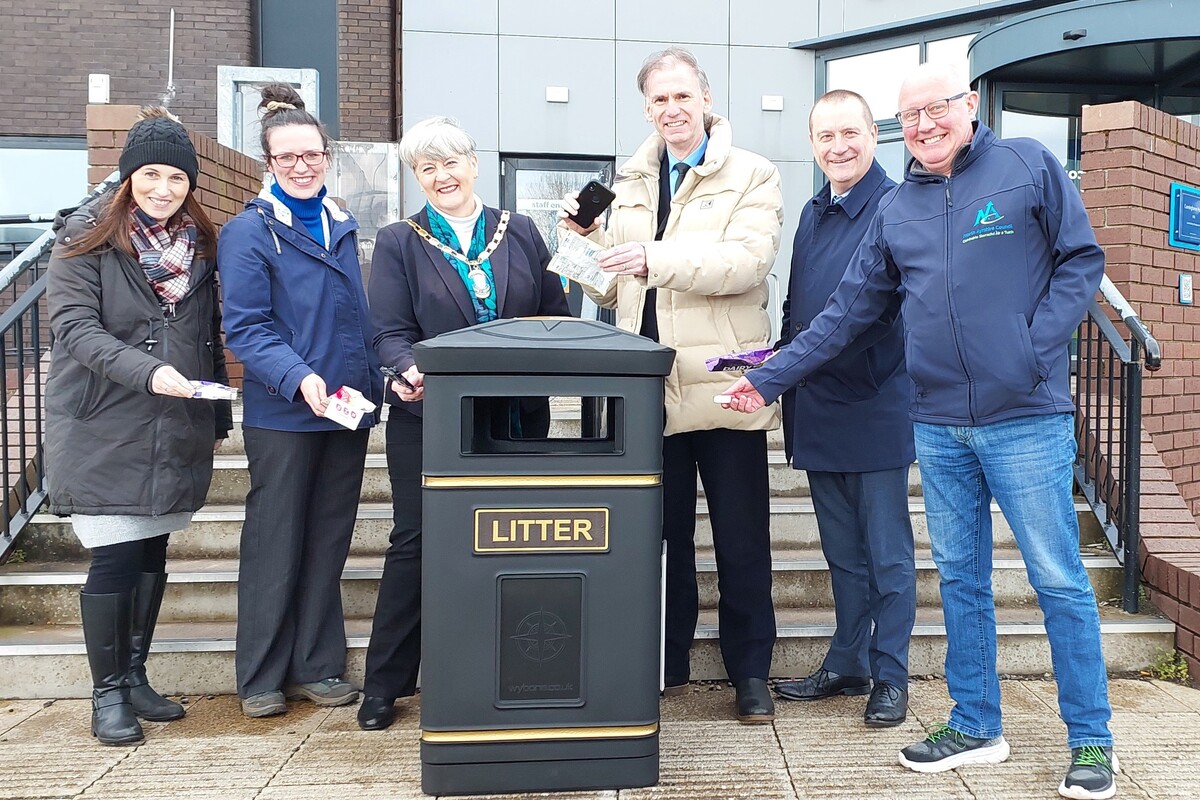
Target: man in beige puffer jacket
692	236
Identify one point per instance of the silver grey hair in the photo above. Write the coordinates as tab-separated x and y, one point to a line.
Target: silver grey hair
668	58
436	138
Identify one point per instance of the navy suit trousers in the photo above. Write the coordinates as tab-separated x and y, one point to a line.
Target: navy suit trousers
867	539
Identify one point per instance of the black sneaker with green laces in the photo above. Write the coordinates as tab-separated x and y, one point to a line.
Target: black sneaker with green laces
1090	776
945	748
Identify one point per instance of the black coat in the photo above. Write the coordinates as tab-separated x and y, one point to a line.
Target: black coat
112	447
415	294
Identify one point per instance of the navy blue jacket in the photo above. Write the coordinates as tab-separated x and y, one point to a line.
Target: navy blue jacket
998	263
850	415
292	308
416	294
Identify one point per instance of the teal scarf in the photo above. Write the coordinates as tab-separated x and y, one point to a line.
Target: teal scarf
485	309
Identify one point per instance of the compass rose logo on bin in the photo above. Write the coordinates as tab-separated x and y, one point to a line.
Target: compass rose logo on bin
541	636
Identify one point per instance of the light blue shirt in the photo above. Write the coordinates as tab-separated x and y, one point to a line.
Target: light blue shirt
694	158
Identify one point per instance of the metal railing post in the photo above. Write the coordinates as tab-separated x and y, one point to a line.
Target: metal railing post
1131	501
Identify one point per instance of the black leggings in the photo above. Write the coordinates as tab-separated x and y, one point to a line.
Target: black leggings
115	567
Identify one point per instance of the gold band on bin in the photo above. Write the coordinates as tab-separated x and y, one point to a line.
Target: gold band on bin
539	734
524	481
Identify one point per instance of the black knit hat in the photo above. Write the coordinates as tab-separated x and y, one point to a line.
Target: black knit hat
159	140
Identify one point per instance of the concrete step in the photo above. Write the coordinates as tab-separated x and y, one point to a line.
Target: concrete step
216	529
48	661
201	589
800	578
231	480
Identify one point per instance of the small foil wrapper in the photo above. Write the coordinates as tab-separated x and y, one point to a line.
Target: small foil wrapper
747	359
209	390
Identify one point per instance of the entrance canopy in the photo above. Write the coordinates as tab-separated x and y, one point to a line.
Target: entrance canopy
1093	51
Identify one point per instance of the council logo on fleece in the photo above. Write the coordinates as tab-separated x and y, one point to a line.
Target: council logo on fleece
987	224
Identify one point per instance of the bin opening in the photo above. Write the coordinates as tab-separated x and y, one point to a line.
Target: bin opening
532	425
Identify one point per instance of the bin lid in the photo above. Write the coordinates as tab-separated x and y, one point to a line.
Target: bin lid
543	346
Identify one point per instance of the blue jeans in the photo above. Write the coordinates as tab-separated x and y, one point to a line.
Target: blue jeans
1026	464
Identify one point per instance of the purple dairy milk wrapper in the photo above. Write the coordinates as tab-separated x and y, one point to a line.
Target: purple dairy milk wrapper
747	359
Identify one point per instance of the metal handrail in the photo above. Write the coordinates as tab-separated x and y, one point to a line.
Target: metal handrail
25	341
1108	425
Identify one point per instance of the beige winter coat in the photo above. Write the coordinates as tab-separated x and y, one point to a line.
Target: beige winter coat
710	269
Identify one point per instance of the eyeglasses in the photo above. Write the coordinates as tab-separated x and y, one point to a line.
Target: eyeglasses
288	160
935	110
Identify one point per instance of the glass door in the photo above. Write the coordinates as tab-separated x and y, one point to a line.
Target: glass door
535	186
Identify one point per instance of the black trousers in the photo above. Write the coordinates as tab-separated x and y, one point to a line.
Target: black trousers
300	512
867	539
116	568
394	655
733	467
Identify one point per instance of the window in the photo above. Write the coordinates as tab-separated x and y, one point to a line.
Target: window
38	175
876	76
535	187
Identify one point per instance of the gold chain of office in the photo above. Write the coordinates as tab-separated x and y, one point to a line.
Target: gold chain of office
473	263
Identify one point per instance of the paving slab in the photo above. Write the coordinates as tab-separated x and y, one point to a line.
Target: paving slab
14	712
819	750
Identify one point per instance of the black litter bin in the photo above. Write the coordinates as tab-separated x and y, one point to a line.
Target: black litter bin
541	553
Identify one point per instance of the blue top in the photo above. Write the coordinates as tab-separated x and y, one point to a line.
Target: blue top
850	415
694	158
997	264
307	211
294	308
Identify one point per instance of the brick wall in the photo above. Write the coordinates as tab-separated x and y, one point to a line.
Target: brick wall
1131	155
48	49
367	79
227	178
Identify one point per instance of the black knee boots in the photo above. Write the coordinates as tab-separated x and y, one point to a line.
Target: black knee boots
106	629
147	703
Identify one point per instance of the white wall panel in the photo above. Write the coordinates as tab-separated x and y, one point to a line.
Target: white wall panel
758	71
585	124
589	19
682	22
459	16
456	75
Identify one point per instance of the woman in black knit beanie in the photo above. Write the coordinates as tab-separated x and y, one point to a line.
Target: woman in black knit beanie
133	302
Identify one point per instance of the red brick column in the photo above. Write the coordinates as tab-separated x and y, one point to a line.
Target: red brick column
1131	155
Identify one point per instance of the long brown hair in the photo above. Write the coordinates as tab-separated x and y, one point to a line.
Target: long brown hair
112	225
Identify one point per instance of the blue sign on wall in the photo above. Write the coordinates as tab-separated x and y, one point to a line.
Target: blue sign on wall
1184	230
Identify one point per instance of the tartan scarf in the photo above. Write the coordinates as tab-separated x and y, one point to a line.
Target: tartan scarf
165	257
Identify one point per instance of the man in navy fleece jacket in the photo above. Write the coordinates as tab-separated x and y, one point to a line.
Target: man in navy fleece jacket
989	242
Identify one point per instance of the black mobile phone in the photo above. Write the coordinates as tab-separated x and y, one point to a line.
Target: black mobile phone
393	374
593	199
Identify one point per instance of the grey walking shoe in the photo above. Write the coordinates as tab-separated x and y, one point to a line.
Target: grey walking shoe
264	704
1090	776
945	748
326	692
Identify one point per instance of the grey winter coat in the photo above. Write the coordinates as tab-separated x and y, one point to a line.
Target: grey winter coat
112	447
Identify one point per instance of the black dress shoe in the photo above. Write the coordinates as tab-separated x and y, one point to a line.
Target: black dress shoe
887	707
376	713
754	703
822	684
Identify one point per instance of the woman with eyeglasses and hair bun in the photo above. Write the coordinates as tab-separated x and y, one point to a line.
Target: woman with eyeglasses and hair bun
133	303
296	317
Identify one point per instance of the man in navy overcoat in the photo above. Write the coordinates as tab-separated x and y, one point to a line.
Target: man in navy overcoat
847	425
